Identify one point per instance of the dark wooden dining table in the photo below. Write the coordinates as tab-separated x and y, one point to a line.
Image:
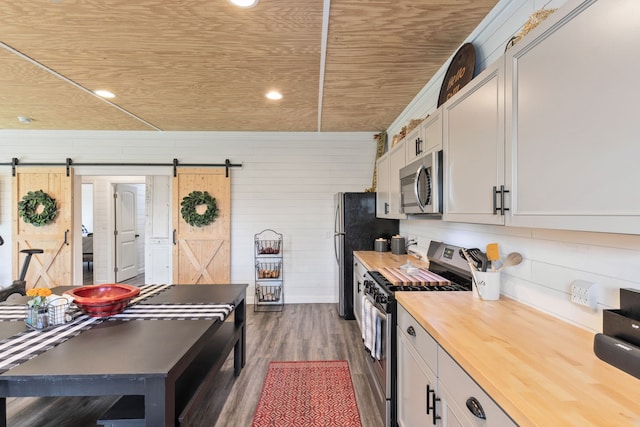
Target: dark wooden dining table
169	362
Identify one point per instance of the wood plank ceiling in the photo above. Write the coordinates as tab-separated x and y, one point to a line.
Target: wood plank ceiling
205	65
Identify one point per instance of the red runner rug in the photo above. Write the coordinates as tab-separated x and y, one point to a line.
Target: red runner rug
307	394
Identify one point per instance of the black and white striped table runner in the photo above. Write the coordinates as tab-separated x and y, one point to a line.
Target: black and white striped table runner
30	343
172	311
19	312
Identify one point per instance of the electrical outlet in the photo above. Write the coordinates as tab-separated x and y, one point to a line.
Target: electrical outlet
584	293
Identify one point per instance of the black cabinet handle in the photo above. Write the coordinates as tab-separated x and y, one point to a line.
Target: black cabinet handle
475	408
359	286
386	208
66	237
502	192
411	331
174	237
432	407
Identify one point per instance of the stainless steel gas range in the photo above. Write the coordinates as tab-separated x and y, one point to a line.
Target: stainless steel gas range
378	317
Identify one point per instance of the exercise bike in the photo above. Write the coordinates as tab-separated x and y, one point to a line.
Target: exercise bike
18	287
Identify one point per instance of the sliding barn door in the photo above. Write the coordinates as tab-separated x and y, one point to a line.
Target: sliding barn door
54	266
202	255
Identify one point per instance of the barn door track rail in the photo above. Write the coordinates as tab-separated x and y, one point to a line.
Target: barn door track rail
175	164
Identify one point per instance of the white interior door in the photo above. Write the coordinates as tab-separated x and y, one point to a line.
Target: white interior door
125	232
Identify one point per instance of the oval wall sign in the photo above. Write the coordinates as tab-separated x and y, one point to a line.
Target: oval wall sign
459	73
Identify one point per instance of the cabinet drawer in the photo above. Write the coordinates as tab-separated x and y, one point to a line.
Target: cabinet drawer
358	267
459	387
426	346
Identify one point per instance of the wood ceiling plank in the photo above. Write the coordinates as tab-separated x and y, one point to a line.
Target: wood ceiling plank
52	103
205	65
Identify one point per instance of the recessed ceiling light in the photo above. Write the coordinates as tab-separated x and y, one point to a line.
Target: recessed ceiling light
275	95
104	93
244	3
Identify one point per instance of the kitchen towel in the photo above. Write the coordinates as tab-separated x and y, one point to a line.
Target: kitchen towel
378	346
373	328
367	329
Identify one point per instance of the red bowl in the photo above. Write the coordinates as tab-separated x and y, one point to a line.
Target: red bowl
103	300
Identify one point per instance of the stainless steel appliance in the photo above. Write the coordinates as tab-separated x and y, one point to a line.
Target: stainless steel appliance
445	261
421	185
355	228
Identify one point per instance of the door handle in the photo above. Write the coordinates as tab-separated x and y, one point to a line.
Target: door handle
174	237
411	331
66	237
137	235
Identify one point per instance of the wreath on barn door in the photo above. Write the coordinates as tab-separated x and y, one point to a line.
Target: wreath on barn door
191	202
28	208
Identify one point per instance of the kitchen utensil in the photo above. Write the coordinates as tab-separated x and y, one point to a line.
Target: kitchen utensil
493	254
398	245
479	257
472	264
513	258
381	245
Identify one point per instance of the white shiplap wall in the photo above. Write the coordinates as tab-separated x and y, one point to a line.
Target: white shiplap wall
552	258
286	182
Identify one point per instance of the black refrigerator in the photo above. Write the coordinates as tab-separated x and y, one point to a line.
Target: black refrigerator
355	229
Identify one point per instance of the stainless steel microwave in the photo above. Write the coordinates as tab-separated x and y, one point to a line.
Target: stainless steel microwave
421	185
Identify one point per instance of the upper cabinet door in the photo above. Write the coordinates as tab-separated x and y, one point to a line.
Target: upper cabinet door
382	186
572	122
425	138
473	123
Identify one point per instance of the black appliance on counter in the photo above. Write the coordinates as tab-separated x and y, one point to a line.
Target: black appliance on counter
445	261
355	229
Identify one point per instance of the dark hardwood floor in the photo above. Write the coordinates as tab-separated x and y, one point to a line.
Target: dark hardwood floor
298	332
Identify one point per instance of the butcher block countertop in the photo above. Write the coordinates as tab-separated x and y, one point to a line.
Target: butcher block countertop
376	260
540	370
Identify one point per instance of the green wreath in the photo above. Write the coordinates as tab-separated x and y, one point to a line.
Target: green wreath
28	208
193	200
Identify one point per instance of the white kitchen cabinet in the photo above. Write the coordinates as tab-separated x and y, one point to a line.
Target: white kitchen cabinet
571	120
425	138
359	271
459	393
382	186
432	389
388	182
417	380
473	143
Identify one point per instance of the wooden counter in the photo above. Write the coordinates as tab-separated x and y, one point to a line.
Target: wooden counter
375	260
540	370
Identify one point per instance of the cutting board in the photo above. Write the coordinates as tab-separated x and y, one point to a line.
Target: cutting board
422	277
